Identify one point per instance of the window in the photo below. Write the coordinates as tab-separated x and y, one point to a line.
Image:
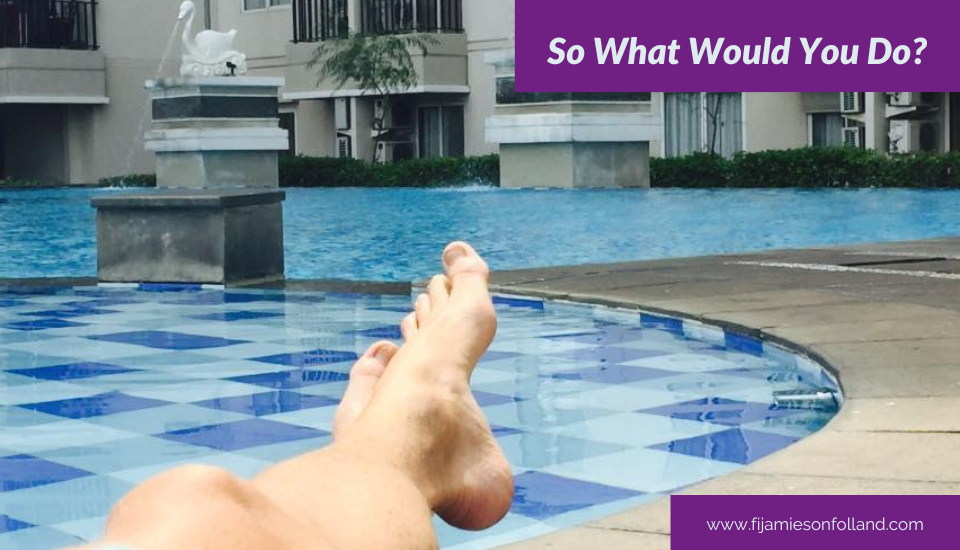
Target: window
288	122
702	121
263	4
440	131
826	129
508	95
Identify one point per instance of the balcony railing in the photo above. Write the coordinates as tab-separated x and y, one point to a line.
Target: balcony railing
316	20
403	16
64	24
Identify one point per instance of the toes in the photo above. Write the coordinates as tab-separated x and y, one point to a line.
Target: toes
409	327
422	308
439	291
364	375
466	270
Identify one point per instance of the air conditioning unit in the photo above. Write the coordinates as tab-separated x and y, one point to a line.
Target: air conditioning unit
853	136
342	113
851	102
911	136
904	99
344	150
393	151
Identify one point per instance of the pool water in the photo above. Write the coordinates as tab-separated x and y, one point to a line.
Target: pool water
597	410
395	234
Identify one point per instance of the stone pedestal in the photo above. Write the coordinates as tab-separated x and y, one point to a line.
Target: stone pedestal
213	236
216	131
216	216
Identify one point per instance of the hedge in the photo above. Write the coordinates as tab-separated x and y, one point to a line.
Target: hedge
130	180
809	168
303	171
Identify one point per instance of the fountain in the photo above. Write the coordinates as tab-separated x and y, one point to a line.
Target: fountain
216	215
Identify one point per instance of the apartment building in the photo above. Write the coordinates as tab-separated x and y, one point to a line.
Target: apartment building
73	106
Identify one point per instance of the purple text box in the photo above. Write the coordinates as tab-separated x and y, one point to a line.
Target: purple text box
740	23
804	522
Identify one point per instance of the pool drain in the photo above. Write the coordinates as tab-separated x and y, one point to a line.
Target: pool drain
814	400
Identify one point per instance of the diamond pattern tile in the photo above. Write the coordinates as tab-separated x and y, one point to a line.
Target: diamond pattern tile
596	409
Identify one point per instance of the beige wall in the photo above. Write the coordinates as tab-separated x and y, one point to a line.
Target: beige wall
773	121
489	25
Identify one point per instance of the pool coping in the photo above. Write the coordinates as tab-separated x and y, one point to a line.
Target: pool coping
885	318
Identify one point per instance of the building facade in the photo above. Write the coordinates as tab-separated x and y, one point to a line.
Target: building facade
73	106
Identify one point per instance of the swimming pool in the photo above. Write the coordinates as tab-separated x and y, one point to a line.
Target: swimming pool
598	410
394	234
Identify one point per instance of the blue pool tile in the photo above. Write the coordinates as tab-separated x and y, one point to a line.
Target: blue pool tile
734	445
538	450
294	379
744	344
231	316
96	405
390	332
244	434
66	313
42	324
493	355
608	354
603	337
275	402
169	287
25	471
487	399
309	358
613	374
503	431
9	524
518	302
167	340
649	320
717	410
540	495
100	302
71	371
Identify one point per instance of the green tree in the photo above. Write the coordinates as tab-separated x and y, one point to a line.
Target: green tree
378	64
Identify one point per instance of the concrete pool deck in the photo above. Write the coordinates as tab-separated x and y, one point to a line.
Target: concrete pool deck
884	317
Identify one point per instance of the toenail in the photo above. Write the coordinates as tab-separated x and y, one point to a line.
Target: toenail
454	253
382	354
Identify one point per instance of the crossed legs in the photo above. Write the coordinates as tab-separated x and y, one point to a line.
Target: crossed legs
409	441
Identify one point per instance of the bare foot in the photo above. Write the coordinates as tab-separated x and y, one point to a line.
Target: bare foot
364	375
452	456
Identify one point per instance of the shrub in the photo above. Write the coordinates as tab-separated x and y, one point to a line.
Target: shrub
130	180
696	170
13	183
809	168
303	171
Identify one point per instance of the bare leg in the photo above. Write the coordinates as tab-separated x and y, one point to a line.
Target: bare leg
409	440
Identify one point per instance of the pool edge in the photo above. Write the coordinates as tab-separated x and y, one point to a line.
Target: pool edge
855	453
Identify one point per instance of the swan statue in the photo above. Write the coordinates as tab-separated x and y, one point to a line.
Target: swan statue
209	53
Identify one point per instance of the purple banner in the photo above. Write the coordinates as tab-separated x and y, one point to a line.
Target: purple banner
804	522
756	45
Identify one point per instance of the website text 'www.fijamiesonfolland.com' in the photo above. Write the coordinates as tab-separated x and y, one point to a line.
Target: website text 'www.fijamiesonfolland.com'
762	525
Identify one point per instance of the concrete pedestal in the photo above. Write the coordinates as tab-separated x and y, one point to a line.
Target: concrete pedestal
213	236
216	131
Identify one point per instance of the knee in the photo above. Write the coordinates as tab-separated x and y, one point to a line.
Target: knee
200	487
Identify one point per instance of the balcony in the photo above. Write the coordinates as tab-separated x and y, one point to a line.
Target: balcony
442	69
405	16
316	20
48	24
